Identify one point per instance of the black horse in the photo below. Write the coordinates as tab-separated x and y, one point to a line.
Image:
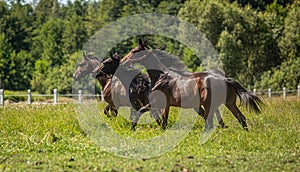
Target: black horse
136	84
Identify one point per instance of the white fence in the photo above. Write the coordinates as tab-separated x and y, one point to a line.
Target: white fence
80	96
55	96
284	92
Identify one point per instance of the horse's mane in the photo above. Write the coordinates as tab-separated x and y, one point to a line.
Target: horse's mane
169	60
93	57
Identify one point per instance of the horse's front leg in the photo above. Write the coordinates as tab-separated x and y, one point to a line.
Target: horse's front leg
113	110
156	115
139	114
132	114
106	110
165	116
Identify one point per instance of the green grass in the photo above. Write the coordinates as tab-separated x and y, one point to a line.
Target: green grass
49	138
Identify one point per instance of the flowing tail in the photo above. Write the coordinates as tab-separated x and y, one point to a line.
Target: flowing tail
247	98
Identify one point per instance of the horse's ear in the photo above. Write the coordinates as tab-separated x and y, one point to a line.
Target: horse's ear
145	42
141	43
116	56
85	55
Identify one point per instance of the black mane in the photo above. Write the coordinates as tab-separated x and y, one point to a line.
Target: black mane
170	61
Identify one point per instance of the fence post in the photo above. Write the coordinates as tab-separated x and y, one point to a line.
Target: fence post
254	91
102	97
55	96
269	92
298	90
80	96
284	92
29	97
1	97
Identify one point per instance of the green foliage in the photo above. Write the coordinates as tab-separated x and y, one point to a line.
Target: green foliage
61	77
191	60
246	43
286	75
290	41
38	40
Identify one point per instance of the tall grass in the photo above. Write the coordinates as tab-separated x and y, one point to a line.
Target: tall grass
49	137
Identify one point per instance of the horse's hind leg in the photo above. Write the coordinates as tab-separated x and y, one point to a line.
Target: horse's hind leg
139	114
165	116
208	114
200	112
156	115
238	114
220	120
132	114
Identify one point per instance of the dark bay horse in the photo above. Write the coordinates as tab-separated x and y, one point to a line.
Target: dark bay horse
87	66
192	90
136	84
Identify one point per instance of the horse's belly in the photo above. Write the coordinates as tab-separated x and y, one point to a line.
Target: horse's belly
189	94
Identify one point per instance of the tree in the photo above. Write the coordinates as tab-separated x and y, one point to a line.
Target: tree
61	77
290	41
208	16
286	75
262	4
49	46
75	33
5	50
44	10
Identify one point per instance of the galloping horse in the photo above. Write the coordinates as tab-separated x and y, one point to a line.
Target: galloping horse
87	66
136	84
192	90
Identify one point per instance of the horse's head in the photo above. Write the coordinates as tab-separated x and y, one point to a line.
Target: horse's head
110	65
101	76
144	56
86	66
139	51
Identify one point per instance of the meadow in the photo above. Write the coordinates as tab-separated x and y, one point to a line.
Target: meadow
50	138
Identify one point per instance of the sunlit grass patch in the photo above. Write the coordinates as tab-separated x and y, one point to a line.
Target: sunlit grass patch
53	138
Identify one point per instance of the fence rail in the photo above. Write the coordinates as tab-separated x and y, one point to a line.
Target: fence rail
80	96
55	96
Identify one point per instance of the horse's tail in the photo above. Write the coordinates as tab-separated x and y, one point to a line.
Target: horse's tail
247	98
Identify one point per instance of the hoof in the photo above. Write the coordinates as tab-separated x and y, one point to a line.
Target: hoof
224	126
133	127
106	112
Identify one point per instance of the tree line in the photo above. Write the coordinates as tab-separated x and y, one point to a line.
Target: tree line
257	41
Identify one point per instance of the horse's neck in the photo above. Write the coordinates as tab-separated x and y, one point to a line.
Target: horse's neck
125	76
103	81
95	63
154	75
152	62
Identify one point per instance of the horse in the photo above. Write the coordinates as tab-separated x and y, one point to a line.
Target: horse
136	84
87	66
202	88
157	69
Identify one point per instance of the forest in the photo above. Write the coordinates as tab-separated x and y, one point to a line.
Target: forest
258	41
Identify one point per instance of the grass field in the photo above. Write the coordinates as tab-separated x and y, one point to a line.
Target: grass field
49	138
